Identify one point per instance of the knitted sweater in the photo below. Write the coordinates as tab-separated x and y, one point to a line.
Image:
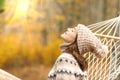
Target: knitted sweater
66	68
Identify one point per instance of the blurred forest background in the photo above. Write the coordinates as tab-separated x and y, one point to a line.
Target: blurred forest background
30	31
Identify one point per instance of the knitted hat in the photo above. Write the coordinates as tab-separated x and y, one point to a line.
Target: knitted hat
88	42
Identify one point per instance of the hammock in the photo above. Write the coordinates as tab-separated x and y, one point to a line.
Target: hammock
107	68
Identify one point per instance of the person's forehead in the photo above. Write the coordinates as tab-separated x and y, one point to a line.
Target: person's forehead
76	28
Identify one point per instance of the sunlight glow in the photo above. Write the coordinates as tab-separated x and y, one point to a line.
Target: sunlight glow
22	8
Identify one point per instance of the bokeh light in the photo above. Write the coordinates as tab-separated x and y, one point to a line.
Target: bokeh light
21	9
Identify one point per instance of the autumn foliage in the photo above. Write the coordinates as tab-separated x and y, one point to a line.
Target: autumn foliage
14	53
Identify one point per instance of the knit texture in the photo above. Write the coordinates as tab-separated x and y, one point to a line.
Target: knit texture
88	42
66	68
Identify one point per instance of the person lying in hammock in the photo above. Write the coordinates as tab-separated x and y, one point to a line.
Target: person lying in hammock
71	65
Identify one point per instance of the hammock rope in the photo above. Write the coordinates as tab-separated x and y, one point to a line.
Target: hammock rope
107	68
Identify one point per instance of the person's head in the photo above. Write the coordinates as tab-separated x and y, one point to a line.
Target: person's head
69	35
83	40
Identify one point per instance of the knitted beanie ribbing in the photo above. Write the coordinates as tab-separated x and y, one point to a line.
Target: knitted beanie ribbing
88	42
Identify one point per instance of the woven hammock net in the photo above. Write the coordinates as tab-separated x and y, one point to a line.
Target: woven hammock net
107	68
